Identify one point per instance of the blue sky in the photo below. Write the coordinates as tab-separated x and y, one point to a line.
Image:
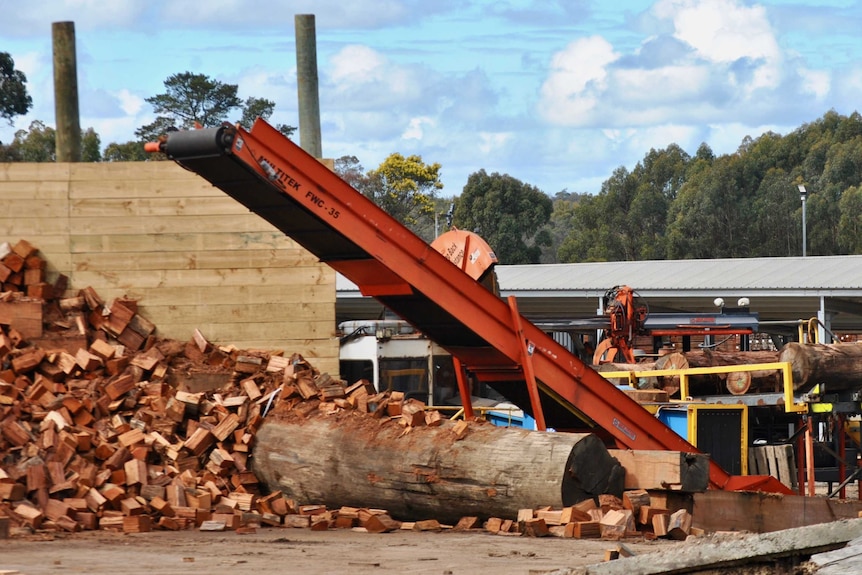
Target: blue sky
556	94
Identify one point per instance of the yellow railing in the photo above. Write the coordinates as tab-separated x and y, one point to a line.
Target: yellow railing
790	405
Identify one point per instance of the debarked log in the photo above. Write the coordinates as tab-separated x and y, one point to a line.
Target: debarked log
736	383
837	366
353	460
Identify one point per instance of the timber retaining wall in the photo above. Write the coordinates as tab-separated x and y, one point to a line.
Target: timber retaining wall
190	255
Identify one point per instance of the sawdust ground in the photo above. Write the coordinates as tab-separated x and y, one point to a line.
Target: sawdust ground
275	550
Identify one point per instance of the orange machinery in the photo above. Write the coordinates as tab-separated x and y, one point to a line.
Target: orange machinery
626	317
277	180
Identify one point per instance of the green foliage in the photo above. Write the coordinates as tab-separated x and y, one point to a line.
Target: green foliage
128	152
628	220
190	100
405	188
254	108
14	100
558	226
91	146
509	214
351	171
850	220
744	204
195	98
37	144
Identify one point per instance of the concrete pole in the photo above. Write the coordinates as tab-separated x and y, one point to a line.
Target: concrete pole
306	80
66	112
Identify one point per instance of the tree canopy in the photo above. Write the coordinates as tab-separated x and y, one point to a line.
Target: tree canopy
743	204
38	144
14	99
405	187
509	214
192	100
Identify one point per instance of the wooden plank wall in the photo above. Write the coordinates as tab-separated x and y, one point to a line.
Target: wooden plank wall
190	255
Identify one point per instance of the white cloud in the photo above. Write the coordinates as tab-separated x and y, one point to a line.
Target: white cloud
416	128
35	17
708	60
815	82
724	31
130	103
493	142
577	79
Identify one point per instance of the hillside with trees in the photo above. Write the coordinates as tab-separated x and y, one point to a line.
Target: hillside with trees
745	204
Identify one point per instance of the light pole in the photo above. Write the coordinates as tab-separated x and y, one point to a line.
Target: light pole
802	194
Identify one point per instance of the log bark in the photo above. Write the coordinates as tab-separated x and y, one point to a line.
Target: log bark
353	460
837	366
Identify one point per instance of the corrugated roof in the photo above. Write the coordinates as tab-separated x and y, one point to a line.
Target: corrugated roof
815	273
779	289
827	273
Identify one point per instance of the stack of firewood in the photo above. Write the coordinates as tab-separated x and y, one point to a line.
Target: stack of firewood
608	518
98	429
22	269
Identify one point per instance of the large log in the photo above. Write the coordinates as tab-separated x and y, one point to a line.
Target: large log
353	460
667	361
837	366
736	383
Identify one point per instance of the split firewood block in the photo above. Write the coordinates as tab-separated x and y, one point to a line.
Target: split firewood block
248	364
616	522
212	526
551	517
584	529
12	490
460	429
636	499
29	514
120	386
88	521
199	499
433	418
679	524
251	389
56	509
199	441
169	523
345	522
427	525
381	523
102	349
131	506
536	528
647	513
137	524
660	524
493	524
136	472
608	502
131	438
87	361
467	523
297	521
413	413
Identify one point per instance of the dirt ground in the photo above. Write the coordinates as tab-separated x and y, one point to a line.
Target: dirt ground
273	550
